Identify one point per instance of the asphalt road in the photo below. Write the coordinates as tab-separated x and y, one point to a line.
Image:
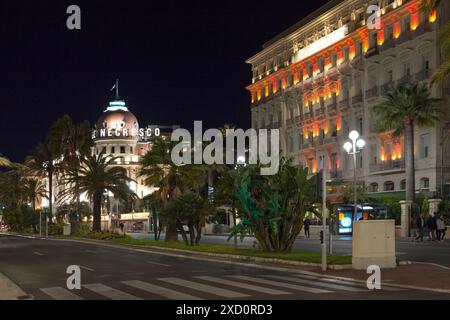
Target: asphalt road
39	267
407	250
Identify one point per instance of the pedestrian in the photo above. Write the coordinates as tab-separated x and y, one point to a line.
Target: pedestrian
441	228
307	225
420	225
431	225
122	226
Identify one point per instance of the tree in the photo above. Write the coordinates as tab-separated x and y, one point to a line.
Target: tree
4	162
45	162
408	106
12	197
444	69
190	210
97	175
273	207
172	181
34	189
76	142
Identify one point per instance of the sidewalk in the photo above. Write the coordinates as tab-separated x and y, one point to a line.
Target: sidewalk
10	291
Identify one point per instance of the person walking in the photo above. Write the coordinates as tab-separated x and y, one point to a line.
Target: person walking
441	228
420	224
121	225
307	225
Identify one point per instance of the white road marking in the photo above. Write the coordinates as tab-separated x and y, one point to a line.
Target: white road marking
161	291
362	284
38	254
159	264
280	284
205	288
58	293
246	286
317	283
432	264
109	292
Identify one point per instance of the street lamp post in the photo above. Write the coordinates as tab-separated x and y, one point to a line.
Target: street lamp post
354	147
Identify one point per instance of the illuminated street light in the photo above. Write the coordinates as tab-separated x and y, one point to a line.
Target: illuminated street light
354	147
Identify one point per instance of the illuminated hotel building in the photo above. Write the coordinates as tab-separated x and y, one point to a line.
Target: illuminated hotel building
320	79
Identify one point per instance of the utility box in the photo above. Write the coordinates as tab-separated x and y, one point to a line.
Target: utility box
67	229
374	244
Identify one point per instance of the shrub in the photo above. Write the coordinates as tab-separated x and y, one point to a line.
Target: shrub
55	229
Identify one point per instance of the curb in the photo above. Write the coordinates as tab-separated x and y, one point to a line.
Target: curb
206	254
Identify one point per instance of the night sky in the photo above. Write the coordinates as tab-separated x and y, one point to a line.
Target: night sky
178	61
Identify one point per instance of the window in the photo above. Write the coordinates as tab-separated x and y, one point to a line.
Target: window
361	125
424	146
389	32
407	69
425	184
403	185
389	186
113	150
373	187
122	150
407	23
346	54
131	150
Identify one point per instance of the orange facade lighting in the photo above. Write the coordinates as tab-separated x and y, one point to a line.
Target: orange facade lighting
414	20
339	123
397	30
296	80
274	86
433	16
381	37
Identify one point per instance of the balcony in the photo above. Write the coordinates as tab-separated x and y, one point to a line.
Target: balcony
391	165
344	104
332	108
330	140
422	75
308	115
358	63
405	79
388	44
372	52
405	36
357	99
387	87
372	93
318	112
336	174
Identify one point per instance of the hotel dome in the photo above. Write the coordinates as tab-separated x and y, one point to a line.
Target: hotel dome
118	121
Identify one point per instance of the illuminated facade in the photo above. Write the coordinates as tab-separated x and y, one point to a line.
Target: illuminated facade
320	79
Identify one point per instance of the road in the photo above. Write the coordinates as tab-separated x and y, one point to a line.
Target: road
38	267
407	250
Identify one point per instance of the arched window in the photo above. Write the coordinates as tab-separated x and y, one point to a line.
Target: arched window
373	187
403	185
389	186
425	184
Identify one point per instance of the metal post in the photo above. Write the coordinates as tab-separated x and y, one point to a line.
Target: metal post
40	224
46	229
324	221
355	194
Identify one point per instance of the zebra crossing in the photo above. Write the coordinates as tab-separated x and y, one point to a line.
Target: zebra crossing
212	287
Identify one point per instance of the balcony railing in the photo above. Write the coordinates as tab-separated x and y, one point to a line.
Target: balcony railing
405	79
336	174
344	103
390	165
332	108
357	99
372	52
422	75
318	112
387	87
372	93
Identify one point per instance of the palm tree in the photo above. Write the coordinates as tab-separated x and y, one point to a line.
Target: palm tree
97	175
444	69
12	197
406	107
4	162
429	5
173	181
76	142
34	189
45	162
